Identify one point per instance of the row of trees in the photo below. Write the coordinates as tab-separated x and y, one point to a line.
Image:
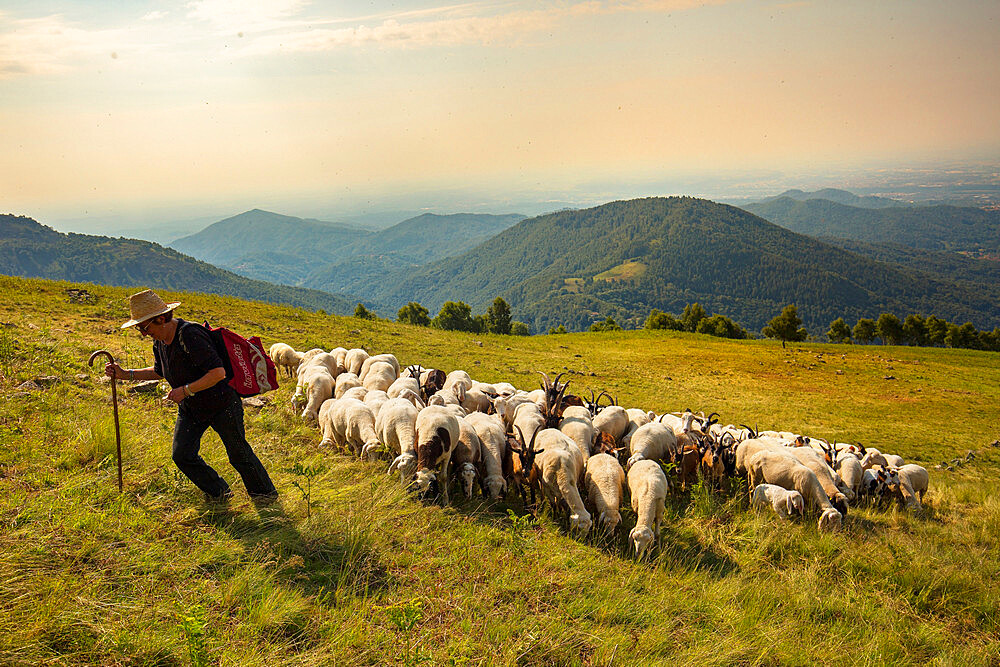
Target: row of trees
457	316
696	320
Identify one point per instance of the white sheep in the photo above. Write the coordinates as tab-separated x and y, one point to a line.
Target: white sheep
506	405
838	492
784	502
612	420
354	359
285	357
466	456
358	393
648	487
493	441
771	467
380	375
604	481
315	385
850	471
396	427
346	381
528	418
557	472
577	425
636	417
403	383
350	423
913	482
654	441
438	432
385	358
340	354
375	399
324	359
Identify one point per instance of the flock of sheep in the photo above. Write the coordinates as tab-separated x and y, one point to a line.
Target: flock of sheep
578	455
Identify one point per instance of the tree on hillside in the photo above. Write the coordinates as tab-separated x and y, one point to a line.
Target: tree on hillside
787	326
937	330
363	313
692	315
889	329
607	325
914	330
558	330
520	329
864	330
839	331
966	336
722	327
659	320
414	313
498	317
455	316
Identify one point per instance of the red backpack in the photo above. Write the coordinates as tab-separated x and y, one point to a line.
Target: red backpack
249	369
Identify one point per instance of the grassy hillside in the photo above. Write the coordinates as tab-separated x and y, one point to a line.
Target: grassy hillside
30	249
155	576
732	262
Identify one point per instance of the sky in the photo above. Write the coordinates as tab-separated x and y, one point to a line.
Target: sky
156	110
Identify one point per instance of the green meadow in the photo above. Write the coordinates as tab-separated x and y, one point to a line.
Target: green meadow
349	569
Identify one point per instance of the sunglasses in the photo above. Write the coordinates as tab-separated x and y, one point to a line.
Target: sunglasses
144	327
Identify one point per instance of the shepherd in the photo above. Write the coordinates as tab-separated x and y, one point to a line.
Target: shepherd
186	357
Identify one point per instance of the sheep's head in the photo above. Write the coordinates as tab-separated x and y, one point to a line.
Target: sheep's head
467	476
310	415
839	502
496	486
795	503
581	522
426	483
609	520
830	520
641	539
370	449
406	464
632	460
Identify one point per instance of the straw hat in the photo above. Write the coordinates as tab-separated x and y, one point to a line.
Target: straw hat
147	305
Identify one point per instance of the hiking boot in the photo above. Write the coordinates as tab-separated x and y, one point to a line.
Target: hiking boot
223	498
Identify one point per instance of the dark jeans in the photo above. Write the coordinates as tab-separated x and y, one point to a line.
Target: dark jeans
228	423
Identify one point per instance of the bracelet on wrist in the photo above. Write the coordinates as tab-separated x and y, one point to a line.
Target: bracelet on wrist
188	391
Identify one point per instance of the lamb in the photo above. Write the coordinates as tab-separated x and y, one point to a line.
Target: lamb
284	356
315	386
613	420
384	358
438	432
653	441
577	425
604	481
785	503
850	471
351	423
346	381
354	359
490	430
557	471
465	457
777	468
396	427
913	482
380	375
648	487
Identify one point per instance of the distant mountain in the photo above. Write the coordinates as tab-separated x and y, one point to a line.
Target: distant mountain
953	228
402	247
625	258
269	246
30	249
839	197
335	257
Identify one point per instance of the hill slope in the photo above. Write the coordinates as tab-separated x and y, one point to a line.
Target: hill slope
30	249
366	574
664	253
839	197
269	246
952	228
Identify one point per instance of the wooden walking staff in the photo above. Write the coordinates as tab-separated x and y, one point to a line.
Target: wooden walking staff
114	402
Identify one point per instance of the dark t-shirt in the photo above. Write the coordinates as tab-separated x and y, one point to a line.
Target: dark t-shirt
183	364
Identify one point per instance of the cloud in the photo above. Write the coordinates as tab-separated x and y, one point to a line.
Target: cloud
459	24
232	16
154	16
50	45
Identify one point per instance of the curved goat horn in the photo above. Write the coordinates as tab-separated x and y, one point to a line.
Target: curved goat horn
548	382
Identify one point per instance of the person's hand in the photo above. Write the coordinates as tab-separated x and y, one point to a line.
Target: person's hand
176	395
115	371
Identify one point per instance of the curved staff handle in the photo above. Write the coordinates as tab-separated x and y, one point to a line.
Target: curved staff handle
114	402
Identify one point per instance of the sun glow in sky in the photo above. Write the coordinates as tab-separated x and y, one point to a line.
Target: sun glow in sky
234	103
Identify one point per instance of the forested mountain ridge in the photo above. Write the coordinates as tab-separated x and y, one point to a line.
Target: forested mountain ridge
30	249
269	246
951	228
838	196
627	257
